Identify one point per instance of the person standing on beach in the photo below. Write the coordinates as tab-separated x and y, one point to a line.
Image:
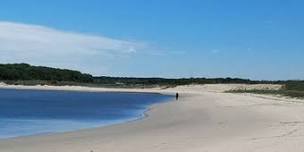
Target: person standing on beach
176	96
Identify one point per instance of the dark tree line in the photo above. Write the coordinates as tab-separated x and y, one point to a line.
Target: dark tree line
30	75
171	82
28	72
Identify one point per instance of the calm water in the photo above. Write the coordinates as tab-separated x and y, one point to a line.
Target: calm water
28	112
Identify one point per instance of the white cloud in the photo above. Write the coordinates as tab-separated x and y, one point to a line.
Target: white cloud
47	46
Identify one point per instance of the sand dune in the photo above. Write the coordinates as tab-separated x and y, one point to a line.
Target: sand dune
204	119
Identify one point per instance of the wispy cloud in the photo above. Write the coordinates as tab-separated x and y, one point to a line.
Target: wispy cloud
48	46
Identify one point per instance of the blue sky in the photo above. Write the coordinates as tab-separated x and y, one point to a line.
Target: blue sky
257	39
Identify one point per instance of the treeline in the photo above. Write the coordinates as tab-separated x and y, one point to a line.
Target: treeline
170	82
30	75
26	72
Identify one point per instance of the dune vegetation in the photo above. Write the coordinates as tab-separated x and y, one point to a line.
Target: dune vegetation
289	88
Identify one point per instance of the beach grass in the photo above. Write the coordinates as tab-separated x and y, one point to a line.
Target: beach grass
291	89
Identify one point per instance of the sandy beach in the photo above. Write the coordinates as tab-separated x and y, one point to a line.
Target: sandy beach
204	119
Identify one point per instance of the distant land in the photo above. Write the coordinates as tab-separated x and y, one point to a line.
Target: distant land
26	74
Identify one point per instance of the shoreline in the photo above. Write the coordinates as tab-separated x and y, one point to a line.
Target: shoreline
141	115
81	88
202	120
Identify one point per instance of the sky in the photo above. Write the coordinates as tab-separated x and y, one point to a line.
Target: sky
256	39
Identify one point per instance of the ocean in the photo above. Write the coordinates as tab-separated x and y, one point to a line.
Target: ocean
32	112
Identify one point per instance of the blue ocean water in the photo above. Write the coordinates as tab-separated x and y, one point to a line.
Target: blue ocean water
29	112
